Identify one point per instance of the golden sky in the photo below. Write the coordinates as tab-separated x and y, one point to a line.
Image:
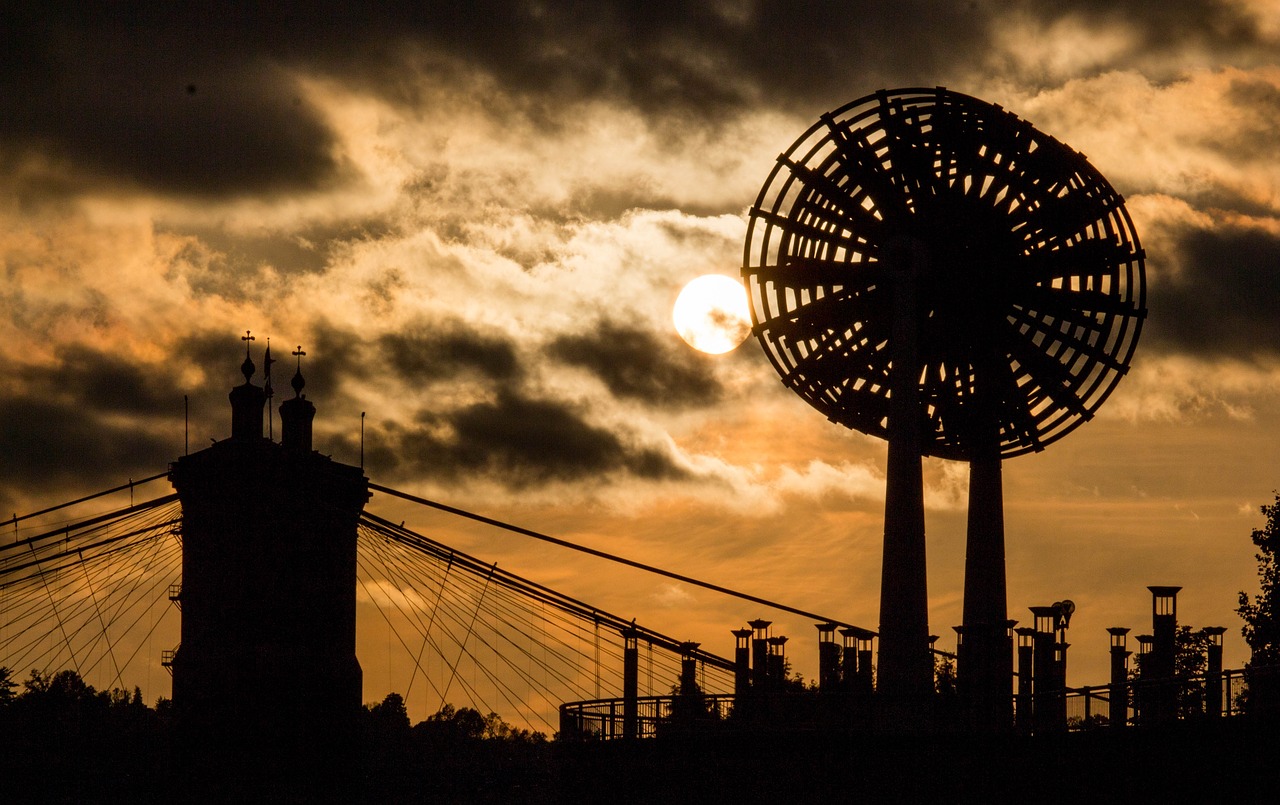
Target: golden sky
476	217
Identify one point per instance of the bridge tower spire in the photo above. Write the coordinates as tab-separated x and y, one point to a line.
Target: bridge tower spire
266	685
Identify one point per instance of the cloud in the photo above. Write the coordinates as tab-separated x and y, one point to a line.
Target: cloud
1223	297
153	101
427	352
634	364
521	442
98	381
50	445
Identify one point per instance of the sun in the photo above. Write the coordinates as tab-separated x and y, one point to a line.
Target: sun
711	314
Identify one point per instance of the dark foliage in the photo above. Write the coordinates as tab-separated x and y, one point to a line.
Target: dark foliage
1261	615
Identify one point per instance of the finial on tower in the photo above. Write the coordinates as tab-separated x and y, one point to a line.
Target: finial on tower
247	368
297	382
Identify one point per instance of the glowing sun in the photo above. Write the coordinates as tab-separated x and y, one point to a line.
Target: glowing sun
711	314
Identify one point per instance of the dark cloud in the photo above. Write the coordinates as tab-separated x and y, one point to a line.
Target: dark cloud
517	441
634	364
427	352
52	445
102	382
1224	297
170	102
201	98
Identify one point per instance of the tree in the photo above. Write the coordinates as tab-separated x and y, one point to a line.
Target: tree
7	686
1262	614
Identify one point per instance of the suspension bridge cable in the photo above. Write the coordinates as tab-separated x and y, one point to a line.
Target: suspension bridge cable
583	612
15	519
454	669
498	603
92	521
534	590
479	518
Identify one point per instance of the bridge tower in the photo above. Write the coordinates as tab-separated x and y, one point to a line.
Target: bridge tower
266	676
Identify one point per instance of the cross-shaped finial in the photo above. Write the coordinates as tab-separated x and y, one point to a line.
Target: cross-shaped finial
247	367
297	381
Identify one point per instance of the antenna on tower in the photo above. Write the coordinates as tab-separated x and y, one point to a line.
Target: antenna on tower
362	440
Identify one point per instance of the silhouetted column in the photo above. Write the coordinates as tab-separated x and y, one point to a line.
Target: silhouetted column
1026	677
630	684
777	662
1143	709
906	666
866	650
849	657
828	658
1213	671
741	662
986	665
1047	689
1164	630
1118	691
689	669
759	653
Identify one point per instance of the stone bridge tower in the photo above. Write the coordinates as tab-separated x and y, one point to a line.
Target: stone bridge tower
266	680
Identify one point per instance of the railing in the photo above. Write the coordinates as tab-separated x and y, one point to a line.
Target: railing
1154	701
605	719
1146	703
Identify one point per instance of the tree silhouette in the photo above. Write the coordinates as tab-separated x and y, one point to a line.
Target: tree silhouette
1261	616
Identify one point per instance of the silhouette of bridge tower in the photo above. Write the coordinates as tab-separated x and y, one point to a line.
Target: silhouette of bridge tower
266	673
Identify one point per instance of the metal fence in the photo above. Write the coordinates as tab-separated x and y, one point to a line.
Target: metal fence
1143	702
605	719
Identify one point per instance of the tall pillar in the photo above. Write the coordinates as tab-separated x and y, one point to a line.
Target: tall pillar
906	666
689	669
985	672
1049	689
1164	633
266	685
741	662
1145	697
759	653
630	684
1214	693
1118	691
828	658
777	662
1026	678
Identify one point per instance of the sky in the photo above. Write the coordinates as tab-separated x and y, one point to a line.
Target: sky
475	218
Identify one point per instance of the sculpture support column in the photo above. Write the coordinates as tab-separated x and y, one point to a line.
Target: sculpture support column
986	668
906	665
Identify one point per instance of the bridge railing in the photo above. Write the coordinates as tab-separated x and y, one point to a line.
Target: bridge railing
1157	700
606	719
1146	703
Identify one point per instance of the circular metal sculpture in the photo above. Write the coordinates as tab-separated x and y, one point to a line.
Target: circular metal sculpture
926	267
1030	289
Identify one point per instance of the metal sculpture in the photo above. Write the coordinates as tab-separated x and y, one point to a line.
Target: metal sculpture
926	267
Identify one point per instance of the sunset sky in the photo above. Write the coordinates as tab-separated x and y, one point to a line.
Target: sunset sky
475	218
